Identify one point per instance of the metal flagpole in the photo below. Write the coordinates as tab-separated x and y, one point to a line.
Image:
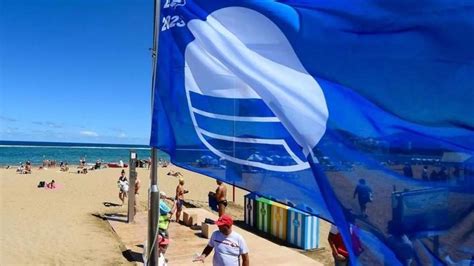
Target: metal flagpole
154	194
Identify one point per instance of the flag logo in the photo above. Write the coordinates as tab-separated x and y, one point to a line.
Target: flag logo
251	100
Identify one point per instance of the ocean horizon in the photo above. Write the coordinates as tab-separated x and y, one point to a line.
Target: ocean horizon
16	152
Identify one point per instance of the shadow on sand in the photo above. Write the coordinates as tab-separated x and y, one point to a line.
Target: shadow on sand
118	217
132	256
111	204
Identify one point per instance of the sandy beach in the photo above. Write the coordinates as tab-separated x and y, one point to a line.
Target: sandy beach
63	226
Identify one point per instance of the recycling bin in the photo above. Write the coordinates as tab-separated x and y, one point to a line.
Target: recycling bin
279	220
264	208
302	229
250	206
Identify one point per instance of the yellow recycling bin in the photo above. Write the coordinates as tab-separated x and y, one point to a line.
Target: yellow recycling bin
279	220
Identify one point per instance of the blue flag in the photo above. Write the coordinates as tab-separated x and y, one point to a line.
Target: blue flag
358	112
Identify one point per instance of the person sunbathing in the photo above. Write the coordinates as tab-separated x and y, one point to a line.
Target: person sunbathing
82	171
51	185
175	174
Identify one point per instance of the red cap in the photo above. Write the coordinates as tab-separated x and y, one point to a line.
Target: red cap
225	220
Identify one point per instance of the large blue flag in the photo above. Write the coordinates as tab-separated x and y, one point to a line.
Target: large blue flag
360	112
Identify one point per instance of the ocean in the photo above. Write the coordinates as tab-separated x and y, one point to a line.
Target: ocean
15	152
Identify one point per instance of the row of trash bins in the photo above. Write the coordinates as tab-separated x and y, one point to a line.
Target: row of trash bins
298	228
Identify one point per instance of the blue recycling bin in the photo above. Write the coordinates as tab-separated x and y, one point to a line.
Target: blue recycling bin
302	229
250	206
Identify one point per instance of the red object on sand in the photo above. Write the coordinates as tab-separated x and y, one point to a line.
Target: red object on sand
116	165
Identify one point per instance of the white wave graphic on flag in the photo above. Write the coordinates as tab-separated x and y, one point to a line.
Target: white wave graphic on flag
239	54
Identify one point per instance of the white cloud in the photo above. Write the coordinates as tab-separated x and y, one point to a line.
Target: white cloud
122	135
89	133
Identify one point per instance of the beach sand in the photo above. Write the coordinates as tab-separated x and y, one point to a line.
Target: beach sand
63	226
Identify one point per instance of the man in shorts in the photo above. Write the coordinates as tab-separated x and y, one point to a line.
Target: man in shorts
229	246
180	191
221	197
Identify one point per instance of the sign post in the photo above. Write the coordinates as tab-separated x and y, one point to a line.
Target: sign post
131	190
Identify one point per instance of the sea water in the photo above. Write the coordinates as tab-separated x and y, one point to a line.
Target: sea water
16	152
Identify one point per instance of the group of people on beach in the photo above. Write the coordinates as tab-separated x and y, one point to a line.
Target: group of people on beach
49	163
27	167
24	169
441	173
229	247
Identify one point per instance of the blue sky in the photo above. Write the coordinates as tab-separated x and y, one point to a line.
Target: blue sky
75	70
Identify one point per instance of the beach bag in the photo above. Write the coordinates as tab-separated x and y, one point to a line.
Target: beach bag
123	185
41	184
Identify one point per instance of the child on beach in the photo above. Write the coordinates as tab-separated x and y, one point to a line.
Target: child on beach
20	169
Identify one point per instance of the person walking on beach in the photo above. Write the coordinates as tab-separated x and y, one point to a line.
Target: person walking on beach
221	197
364	195
179	198
123	186
229	246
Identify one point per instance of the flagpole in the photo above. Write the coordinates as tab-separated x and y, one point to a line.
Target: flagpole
154	194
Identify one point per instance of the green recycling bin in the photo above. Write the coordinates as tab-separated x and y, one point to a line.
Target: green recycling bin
264	208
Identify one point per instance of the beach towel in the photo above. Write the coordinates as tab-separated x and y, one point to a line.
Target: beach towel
56	187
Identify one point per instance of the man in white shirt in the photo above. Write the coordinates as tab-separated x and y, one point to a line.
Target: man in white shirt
229	246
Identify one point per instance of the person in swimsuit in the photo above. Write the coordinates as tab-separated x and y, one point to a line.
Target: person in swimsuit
221	197
180	191
123	186
137	188
51	185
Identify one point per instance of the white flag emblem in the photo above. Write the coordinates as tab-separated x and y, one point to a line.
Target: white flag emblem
246	88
